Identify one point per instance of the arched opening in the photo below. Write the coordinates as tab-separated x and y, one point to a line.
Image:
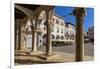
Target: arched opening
57	37
29	34
53	36
41	19
21	12
29	41
62	37
20	34
44	39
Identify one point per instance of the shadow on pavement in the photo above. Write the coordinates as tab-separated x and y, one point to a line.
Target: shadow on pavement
29	61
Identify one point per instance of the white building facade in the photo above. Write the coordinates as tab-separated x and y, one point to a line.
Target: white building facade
57	30
70	32
90	34
60	31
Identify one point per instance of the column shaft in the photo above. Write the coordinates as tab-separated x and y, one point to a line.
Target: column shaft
79	38
49	44
16	46
19	36
34	37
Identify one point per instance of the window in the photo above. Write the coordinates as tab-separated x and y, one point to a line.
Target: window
61	23
73	38
57	29
53	37
62	30
53	19
44	36
57	37
52	29
57	21
62	37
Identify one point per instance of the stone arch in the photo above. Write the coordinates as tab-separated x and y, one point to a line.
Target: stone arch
22	34
41	20
41	9
28	26
42	16
24	10
29	14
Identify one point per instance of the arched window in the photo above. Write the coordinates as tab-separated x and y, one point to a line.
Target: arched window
57	29
42	17
57	37
53	37
44	36
62	37
61	30
52	29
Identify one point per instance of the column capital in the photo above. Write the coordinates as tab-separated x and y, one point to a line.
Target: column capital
79	12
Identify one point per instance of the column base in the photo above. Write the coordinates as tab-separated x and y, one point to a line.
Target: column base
48	57
21	50
35	52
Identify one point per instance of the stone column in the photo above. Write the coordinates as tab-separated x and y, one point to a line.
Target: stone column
79	13
16	39
23	38
19	36
79	39
38	40
34	41
49	43
34	37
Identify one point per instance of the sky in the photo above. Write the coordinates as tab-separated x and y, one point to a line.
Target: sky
65	11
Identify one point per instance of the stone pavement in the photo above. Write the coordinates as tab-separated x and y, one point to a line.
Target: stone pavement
23	58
